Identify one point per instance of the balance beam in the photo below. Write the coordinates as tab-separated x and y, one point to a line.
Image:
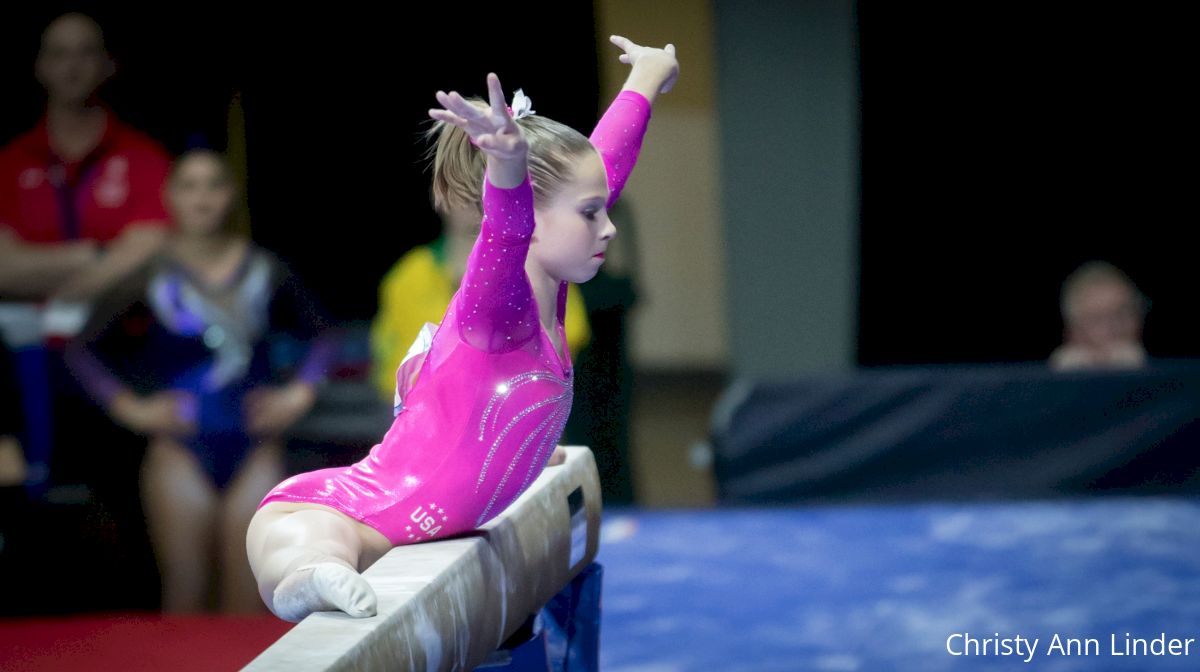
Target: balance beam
446	605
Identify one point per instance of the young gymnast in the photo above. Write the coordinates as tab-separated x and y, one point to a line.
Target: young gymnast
488	403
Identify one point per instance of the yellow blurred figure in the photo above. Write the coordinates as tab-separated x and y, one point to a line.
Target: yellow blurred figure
418	289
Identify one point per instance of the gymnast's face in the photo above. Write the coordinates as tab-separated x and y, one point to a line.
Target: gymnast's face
200	194
572	230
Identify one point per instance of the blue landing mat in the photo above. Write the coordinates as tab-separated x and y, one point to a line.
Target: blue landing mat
886	587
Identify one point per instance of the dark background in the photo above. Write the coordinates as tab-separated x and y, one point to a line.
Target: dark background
1001	147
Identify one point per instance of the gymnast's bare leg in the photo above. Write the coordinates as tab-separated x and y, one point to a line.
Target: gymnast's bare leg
307	557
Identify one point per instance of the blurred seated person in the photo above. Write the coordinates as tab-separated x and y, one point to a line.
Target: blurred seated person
1103	314
180	352
80	193
418	289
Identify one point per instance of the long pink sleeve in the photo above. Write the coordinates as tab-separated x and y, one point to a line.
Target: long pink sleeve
618	137
496	308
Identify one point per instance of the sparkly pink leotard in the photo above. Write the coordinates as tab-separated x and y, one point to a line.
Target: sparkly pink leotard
492	395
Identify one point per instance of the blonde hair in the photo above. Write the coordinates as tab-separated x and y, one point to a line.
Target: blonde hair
1096	273
458	166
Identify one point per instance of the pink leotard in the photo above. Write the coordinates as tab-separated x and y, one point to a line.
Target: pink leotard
491	396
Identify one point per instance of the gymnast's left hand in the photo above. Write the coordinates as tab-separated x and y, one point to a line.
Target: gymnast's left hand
654	70
270	411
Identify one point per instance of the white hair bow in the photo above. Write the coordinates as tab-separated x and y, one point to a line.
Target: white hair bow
522	105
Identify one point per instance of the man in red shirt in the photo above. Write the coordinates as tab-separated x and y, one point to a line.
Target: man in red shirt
81	193
80	206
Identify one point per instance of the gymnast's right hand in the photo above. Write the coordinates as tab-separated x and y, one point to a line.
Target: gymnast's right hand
169	412
491	129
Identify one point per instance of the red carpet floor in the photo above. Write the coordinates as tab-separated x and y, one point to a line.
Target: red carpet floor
136	641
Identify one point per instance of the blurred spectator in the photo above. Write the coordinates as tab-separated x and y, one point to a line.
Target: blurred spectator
418	289
1103	314
81	193
183	353
80	206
